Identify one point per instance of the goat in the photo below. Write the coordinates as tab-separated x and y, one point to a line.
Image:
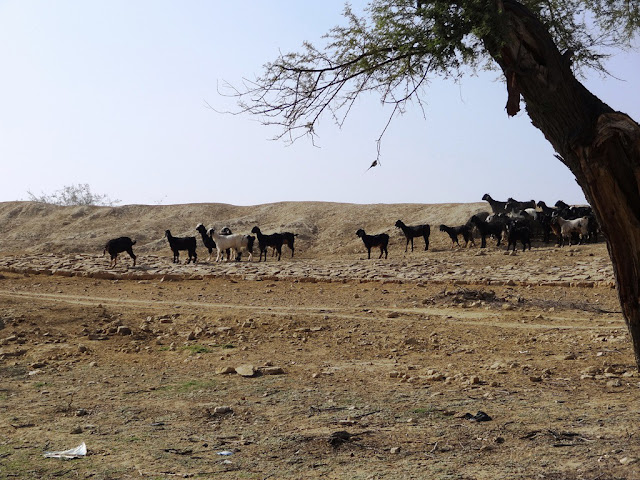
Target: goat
381	240
453	232
119	245
232	243
565	228
288	239
485	228
496	206
208	242
411	232
571	212
516	206
544	208
517	230
274	240
182	243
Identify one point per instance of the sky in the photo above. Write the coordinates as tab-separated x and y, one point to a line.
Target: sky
114	95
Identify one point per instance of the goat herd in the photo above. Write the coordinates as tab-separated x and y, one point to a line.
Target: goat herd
225	242
517	221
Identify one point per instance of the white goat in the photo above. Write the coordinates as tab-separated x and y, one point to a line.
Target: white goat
234	242
567	227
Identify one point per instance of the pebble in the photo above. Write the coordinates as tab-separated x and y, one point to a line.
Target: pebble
222	410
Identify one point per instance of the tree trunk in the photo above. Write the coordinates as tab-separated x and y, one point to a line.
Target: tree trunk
600	146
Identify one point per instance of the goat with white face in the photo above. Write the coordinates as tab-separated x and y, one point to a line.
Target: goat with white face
234	242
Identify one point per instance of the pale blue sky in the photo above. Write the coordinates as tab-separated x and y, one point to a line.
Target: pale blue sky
113	94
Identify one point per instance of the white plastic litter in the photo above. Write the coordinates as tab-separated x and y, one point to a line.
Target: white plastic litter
226	453
78	452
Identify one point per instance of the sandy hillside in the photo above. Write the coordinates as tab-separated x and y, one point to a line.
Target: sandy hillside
322	227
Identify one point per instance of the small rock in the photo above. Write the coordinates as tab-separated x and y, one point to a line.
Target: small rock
535	378
222	410
225	370
76	431
435	377
82	348
272	371
394	450
614	383
393	315
246	370
628	460
122	330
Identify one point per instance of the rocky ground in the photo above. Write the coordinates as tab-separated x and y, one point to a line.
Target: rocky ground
445	364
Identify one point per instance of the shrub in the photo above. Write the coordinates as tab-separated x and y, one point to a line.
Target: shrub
74	195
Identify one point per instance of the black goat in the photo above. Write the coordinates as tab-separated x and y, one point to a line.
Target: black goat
571	212
208	242
288	239
275	240
453	232
182	243
496	206
518	231
119	245
381	240
515	206
411	232
485	228
545	209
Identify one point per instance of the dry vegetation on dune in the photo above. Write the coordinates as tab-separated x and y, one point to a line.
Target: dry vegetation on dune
327	365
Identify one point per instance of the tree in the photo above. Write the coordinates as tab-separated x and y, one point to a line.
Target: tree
538	45
73	195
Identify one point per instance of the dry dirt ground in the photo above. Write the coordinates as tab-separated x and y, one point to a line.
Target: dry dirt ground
325	365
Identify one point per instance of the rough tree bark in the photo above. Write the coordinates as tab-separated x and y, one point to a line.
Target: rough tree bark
599	145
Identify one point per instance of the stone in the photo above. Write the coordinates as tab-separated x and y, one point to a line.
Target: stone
246	370
272	371
224	410
225	370
122	330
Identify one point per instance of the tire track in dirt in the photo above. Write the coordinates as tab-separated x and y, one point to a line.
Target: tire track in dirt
466	317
